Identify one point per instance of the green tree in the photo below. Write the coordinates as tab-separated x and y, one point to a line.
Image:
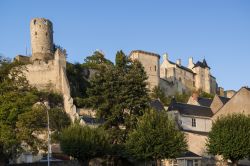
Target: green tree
157	93
155	138
32	123
96	61
84	143
17	99
77	75
119	95
229	137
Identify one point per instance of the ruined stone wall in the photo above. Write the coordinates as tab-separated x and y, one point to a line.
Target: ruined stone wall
43	75
51	75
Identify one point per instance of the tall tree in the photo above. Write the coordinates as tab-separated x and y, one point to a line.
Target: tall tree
78	76
155	138
119	95
229	137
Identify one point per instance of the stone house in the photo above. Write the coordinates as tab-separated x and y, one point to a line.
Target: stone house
195	119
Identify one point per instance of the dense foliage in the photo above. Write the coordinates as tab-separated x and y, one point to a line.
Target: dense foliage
84	143
77	75
119	95
230	137
19	120
155	138
157	93
96	61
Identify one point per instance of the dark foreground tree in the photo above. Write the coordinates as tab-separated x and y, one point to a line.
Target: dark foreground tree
119	95
84	143
155	138
230	137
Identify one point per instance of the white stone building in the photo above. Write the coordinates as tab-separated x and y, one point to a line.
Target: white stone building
174	77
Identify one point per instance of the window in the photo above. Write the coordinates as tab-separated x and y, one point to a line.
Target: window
173	162
196	163
45	22
46	33
34	22
155	68
35	33
193	122
166	73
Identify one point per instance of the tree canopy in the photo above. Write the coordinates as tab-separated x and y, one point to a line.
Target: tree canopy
96	61
155	138
83	142
18	118
229	137
119	95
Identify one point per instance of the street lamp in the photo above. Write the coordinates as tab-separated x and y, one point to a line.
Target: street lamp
46	105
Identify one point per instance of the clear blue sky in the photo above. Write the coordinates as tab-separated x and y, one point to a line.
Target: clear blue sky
218	30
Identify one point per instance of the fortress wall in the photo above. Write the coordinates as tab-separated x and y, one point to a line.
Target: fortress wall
52	76
43	75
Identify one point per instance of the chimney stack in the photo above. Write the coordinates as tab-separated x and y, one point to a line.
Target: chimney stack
195	96
165	57
190	63
178	62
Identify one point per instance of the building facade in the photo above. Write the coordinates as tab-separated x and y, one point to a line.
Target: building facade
174	77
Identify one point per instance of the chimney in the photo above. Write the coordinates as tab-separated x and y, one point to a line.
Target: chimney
165	57
190	63
178	62
195	96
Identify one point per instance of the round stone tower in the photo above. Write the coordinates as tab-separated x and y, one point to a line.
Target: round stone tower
41	32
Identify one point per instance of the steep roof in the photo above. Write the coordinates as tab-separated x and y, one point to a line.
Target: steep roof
204	101
224	100
145	52
182	67
192	110
188	154
91	120
157	105
239	103
202	64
